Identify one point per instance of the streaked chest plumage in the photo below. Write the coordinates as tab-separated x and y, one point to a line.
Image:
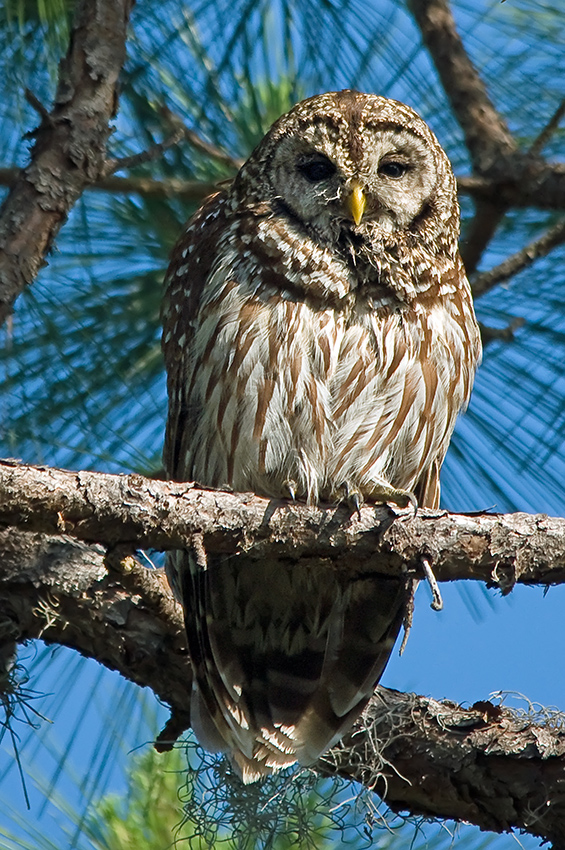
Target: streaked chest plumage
306	372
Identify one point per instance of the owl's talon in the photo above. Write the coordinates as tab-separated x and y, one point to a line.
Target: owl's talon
353	496
403	498
290	487
355	503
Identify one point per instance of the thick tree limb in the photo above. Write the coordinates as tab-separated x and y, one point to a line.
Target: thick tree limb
486	135
487	765
70	144
484	765
136	512
58	589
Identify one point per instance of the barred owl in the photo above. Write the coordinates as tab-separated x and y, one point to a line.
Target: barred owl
320	339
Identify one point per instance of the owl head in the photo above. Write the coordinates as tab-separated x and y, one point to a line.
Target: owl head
355	163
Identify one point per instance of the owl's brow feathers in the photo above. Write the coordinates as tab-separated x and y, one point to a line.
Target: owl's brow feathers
355	113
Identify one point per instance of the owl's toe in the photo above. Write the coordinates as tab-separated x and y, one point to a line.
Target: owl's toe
290	487
378	491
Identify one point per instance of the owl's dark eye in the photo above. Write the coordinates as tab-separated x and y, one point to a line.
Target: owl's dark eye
393	169
316	170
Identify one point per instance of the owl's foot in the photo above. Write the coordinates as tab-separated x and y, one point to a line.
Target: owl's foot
379	491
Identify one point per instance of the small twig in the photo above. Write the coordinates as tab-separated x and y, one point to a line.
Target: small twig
506	334
481	231
547	132
408	614
485	281
212	150
153	152
36	104
201	144
437	601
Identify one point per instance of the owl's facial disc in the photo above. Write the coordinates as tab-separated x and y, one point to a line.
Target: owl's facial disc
333	182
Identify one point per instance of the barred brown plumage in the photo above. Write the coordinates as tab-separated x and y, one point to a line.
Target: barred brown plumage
319	335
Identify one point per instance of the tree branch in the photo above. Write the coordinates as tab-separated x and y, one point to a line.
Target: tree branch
188	190
485	281
486	135
506	334
485	765
548	131
136	512
70	145
488	765
480	232
60	590
154	152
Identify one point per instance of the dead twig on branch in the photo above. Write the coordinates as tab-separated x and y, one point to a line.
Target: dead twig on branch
485	281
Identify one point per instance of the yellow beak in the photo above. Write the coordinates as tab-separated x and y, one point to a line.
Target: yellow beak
356	202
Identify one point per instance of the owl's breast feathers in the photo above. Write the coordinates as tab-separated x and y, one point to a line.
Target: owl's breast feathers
289	363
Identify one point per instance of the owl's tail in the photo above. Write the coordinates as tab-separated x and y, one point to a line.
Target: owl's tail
285	655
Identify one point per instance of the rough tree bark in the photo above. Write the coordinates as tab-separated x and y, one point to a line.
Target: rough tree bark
127	512
70	145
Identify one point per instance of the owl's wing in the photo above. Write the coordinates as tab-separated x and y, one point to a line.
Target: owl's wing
427	490
190	266
465	344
